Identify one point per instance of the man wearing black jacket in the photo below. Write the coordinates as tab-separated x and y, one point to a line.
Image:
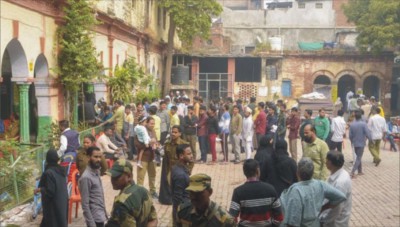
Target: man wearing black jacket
189	129
180	178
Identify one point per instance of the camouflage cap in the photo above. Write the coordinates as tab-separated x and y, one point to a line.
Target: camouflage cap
119	167
199	182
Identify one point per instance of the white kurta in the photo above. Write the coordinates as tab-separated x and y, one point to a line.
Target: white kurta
340	215
247	135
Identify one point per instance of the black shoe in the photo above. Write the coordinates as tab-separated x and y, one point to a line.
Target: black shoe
237	162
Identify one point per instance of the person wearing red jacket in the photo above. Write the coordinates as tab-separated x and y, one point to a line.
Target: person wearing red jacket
260	124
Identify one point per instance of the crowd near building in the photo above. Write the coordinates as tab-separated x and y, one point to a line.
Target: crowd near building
247	104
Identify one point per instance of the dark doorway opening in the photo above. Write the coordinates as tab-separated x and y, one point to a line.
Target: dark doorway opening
214	90
6	88
248	70
322	79
371	87
322	84
345	84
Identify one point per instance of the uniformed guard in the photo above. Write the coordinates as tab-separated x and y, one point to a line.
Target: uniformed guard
201	211
169	160
134	205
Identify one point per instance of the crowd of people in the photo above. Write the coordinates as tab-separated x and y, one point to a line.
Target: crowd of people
280	189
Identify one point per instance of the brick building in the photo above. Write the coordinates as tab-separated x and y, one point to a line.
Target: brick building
285	51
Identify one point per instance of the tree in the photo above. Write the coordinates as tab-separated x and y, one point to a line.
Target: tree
77	58
128	78
189	18
377	21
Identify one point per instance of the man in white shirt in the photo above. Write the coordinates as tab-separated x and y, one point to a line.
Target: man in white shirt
377	126
338	216
247	132
338	127
109	149
349	95
69	142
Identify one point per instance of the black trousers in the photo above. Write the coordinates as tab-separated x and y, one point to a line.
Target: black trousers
163	137
336	146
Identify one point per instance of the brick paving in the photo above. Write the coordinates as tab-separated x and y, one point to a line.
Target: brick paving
376	199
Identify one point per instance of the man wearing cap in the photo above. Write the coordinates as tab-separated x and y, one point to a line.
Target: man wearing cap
133	206
247	132
201	211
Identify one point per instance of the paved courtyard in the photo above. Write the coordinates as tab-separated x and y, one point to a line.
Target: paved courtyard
375	195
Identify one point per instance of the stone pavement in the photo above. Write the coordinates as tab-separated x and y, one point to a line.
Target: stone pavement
376	199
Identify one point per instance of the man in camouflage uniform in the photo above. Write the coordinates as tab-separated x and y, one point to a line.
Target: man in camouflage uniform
201	211
133	206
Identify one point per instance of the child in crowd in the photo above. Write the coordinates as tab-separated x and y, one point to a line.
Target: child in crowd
143	138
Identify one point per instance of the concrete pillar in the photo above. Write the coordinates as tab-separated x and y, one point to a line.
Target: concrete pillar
231	77
24	111
43	96
195	71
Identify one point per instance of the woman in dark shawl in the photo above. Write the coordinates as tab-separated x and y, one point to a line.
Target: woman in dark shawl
282	171
53	187
264	151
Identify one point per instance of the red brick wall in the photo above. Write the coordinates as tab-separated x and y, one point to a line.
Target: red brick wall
341	19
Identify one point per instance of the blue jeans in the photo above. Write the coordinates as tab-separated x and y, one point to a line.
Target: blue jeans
358	164
392	143
203	147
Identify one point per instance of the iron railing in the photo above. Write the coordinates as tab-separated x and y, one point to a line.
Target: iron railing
18	175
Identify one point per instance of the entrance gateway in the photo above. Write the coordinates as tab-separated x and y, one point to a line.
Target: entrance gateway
213	86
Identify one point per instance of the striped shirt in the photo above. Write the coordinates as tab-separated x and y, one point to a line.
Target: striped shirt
257	204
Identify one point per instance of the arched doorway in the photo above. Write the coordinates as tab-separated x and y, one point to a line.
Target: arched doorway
15	69
371	87
322	84
6	88
345	83
322	79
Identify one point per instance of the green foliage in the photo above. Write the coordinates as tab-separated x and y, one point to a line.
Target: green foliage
24	169
126	79
52	141
262	47
139	96
77	59
192	17
377	21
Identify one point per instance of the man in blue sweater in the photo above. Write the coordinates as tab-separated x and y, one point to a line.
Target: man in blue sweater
358	135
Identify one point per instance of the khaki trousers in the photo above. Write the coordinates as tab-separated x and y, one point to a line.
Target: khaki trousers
293	148
150	168
374	149
192	139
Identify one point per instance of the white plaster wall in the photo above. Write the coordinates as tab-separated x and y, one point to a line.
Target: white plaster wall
101	43
294	16
119	49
